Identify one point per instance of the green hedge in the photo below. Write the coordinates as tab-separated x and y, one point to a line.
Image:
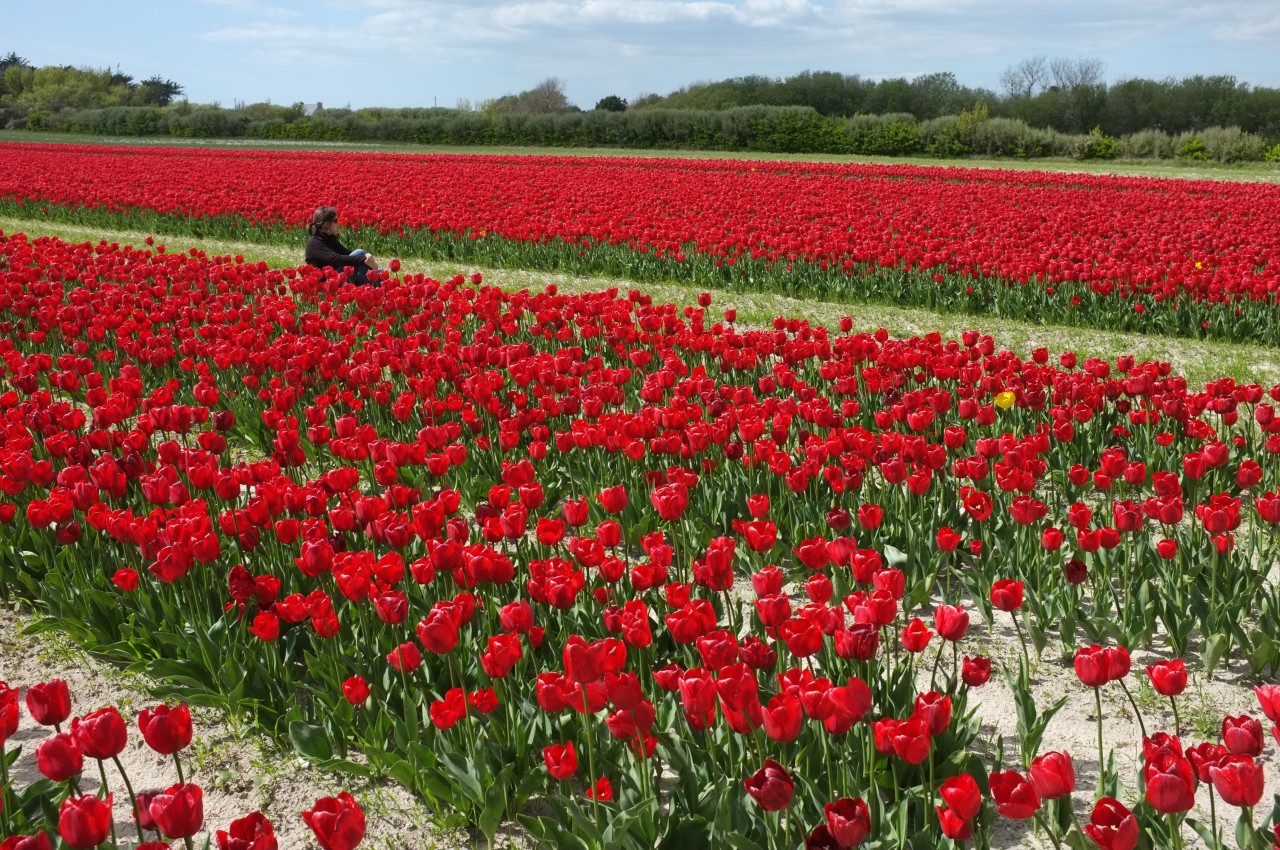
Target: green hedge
765	129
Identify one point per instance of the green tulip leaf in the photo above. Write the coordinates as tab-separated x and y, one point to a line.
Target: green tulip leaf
311	742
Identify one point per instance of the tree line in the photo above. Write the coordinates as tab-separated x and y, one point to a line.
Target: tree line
1067	95
1048	108
26	90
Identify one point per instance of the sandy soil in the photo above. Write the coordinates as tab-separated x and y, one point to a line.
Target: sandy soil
1074	728
239	770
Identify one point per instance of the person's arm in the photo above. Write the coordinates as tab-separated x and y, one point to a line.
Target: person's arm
320	254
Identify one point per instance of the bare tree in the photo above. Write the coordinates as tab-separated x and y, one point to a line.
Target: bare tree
1022	79
1069	74
546	97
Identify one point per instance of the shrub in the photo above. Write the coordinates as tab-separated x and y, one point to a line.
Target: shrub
1147	144
797	130
1012	137
1097	145
1231	144
38	120
893	134
1190	147
942	137
1272	155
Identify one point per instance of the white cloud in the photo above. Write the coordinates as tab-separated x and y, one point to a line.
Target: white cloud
484	48
1264	30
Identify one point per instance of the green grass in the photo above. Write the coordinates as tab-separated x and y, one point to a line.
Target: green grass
1199	360
1262	172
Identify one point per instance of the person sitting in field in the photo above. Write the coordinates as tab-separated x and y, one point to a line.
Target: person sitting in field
325	251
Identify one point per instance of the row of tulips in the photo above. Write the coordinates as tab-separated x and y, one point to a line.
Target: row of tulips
1156	256
57	806
615	554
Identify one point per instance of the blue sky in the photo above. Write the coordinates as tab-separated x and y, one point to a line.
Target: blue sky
425	52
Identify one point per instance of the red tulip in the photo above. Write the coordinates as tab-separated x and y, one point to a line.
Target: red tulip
251	832
37	841
588	662
1169	678
802	636
1014	795
355	690
1171	783
178	811
1242	735
602	791
813	553
1112	826
575	511
1238	780
49	702
405	658
935	710
1006	595
85	821
975	671
951	621
947	540
101	734
561	760
1269	697
613	499
962	795
848	821
669	501
337	822
910	740
916	636
782	717
438	631
859	642
166	730
1093	665
1053	775
1204	756
58	757
953	826
770	786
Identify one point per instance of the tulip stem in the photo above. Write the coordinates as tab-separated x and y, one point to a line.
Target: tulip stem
1177	722
1097	701
1213	816
591	757
933	679
1026	659
102	774
1045	825
1136	713
133	799
4	790
177	763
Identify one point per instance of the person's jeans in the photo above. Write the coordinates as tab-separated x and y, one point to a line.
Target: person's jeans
360	272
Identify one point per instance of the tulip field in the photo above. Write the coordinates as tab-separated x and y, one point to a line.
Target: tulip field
631	574
1190	258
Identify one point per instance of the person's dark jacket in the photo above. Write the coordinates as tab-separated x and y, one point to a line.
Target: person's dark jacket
325	250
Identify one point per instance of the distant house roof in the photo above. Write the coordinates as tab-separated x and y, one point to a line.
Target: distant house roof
310	109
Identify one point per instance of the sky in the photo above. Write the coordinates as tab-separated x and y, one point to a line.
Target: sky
447	52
